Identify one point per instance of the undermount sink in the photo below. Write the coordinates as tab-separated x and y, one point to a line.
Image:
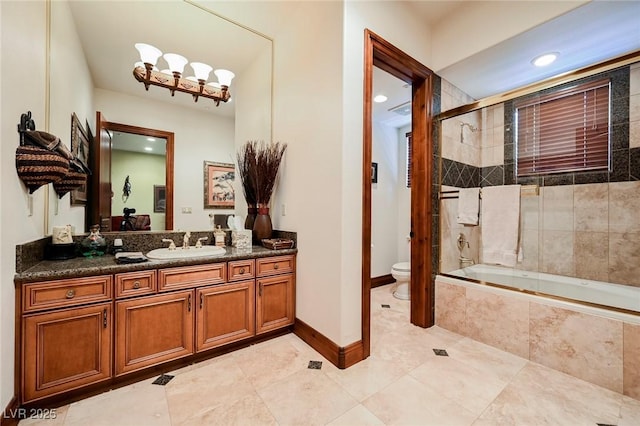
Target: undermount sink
181	253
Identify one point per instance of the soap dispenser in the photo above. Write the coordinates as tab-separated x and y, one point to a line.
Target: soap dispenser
219	236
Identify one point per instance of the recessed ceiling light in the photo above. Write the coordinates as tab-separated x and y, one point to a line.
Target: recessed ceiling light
148	148
151	139
380	98
544	60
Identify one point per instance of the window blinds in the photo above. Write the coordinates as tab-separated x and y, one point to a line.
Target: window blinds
564	131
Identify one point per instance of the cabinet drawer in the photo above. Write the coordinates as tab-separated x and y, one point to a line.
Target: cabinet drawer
241	270
191	276
274	265
57	294
135	283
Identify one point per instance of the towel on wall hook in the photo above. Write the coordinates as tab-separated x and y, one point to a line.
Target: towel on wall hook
126	189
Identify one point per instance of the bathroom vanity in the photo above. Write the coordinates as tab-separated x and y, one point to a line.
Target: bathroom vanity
87	325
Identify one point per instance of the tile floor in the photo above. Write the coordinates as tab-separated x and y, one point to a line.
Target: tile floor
403	382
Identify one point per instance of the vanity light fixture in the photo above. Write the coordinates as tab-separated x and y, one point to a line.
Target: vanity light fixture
147	73
544	60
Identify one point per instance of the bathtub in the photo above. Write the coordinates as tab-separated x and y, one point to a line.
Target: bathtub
587	329
595	293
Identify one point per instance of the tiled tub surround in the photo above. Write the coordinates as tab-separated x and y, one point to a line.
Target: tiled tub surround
584	342
589	231
582	224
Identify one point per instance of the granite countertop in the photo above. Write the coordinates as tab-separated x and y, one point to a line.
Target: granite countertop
82	266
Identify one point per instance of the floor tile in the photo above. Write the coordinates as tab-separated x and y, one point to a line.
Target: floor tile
409	402
358	415
307	397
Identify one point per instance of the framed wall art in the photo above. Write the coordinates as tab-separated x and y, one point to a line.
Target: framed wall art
218	185
79	148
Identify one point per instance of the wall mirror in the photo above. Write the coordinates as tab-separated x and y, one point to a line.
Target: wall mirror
92	58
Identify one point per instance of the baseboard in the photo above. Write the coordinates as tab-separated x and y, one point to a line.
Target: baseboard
341	357
12	415
382	280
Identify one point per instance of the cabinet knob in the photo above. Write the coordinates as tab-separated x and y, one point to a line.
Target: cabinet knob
241	270
275	266
71	294
136	284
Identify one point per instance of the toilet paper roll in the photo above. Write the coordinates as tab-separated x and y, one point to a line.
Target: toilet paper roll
61	235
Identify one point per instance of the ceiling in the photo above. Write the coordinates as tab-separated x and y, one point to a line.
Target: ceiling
589	34
138	143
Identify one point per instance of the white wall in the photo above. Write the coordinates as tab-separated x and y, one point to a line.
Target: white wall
482	24
144	171
199	137
384	210
22	70
403	199
71	92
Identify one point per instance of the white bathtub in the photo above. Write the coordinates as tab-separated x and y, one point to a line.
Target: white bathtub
605	295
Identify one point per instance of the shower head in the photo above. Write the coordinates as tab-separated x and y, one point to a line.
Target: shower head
469	125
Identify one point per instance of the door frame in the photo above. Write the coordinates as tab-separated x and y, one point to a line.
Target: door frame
169	136
382	54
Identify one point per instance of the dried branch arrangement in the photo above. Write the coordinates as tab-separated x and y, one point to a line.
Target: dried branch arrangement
258	164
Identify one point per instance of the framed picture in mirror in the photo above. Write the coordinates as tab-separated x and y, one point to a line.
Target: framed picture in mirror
79	148
159	198
218	185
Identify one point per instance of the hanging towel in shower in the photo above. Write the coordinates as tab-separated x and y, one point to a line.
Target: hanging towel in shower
468	206
500	224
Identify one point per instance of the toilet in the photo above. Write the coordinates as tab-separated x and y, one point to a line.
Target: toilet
402	273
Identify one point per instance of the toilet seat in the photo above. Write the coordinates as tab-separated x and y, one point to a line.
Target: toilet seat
401	267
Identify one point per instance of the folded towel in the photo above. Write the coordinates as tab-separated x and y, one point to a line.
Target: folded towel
468	206
500	224
130	257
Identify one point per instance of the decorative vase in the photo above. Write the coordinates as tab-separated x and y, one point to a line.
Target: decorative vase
262	225
94	244
252	212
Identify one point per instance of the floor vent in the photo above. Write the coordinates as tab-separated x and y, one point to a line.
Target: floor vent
163	380
440	352
315	365
384	305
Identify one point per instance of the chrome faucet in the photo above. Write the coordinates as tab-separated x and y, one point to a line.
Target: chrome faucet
185	240
172	245
200	240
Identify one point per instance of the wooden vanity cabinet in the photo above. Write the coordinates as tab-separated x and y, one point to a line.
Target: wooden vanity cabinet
225	314
275	288
65	343
153	329
81	331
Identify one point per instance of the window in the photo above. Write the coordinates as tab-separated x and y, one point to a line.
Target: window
564	131
408	179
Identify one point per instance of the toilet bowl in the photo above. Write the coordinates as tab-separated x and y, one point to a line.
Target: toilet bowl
402	273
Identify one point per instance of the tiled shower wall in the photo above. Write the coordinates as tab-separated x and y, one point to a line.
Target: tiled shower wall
583	225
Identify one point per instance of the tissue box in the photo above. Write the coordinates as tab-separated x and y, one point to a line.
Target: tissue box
241	238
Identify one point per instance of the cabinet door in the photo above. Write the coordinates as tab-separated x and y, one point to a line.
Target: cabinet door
153	329
226	313
65	350
275	302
